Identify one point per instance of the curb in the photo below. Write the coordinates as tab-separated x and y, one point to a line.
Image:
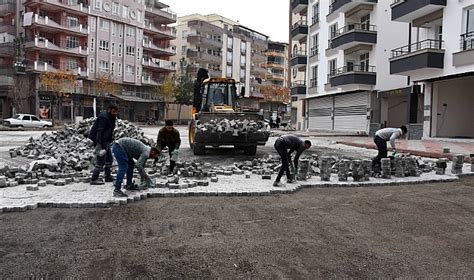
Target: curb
290	190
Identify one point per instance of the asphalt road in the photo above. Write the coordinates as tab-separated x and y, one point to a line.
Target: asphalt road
421	231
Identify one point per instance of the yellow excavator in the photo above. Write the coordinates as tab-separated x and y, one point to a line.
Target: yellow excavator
218	119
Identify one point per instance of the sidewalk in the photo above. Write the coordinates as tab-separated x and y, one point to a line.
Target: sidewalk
424	148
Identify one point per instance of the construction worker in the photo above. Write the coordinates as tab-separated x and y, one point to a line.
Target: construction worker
285	146
382	136
126	150
168	136
101	134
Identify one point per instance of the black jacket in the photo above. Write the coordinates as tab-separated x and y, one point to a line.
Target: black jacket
294	144
168	138
102	131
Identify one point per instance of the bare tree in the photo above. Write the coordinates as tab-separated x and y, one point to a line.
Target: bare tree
20	93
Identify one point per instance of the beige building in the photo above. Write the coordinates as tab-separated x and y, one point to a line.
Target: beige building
127	42
226	49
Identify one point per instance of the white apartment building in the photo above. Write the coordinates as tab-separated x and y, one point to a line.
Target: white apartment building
225	48
438	59
372	64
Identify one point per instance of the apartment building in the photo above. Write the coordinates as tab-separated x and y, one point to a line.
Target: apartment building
126	42
437	57
226	49
276	75
372	64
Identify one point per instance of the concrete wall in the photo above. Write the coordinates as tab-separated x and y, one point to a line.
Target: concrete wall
456	118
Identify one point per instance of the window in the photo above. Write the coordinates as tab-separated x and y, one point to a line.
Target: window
365	22
114	28
113	48
71	64
98	4
34	118
72	42
138	72
103	66
120	50
104	25
120	69
183	50
332	65
229	71
230	42
120	30
72	21
138	53
470	20
243	47
92	44
316	13
112	68
314	44
103	45
130	31
129	50
242	61
333	31
314	76
115	8
93	23
229	57
92	66
125	11
26	118
139	16
364	62
129	69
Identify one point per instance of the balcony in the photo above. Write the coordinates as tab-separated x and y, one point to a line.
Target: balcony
314	55
164	51
299	30
160	16
275	65
7	49
352	35
298	88
159	32
275	53
258	70
46	46
408	11
353	75
205	27
299	59
159	64
426	54
275	77
62	5
297	6
10	29
39	67
50	26
200	40
343	6
7	8
203	58
147	80
466	54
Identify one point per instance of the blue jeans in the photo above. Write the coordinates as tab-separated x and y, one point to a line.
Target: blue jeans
125	165
103	163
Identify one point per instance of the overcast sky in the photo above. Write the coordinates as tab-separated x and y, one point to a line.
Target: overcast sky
269	17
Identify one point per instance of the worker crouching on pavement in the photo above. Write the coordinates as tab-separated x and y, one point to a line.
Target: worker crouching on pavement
381	137
101	134
285	146
168	136
126	150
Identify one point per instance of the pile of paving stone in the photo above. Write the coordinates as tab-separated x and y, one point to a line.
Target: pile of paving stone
63	156
234	127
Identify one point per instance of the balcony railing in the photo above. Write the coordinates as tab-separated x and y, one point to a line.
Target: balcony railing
298	54
151	45
352	69
315	19
159	63
81	6
64	46
428	44
46	21
314	51
300	23
298	84
354	27
171	32
74	69
467	41
313	82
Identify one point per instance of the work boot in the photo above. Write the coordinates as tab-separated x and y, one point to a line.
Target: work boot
119	193
109	178
132	187
291	181
97	182
277	184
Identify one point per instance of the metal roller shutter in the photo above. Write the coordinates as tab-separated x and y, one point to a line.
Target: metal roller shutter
350	112
320	113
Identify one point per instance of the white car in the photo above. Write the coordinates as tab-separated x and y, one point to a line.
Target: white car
26	120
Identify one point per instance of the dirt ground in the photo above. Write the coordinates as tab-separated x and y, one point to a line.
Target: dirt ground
421	231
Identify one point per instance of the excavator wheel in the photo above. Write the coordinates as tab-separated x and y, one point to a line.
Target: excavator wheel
191	131
250	150
199	149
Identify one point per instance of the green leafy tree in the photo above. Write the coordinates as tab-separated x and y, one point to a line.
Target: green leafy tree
167	90
184	87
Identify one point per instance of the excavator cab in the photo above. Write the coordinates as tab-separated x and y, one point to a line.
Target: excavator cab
219	95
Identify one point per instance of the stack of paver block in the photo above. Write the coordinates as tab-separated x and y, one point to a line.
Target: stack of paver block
325	166
472	162
367	168
303	167
386	168
357	171
411	167
234	127
399	166
458	161
441	166
343	170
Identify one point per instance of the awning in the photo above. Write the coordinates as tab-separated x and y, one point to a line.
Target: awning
394	92
447	77
131	98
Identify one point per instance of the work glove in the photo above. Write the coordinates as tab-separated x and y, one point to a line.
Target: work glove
99	151
292	169
175	152
394	153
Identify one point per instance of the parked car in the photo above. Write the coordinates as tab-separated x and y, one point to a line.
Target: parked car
26	120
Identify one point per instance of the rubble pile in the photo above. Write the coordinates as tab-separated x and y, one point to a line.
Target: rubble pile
234	127
63	156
